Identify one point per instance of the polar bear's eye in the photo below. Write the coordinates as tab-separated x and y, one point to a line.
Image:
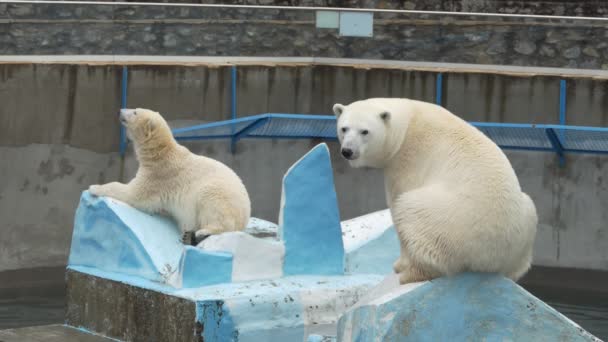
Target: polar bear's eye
364	132
344	129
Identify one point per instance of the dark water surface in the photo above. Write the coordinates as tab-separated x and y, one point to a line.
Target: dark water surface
588	309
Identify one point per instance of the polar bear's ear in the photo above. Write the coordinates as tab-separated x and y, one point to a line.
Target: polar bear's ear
338	109
150	126
385	116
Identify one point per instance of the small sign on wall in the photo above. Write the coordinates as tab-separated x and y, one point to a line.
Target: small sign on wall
356	24
328	19
349	23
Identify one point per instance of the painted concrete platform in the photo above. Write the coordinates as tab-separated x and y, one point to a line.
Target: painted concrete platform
464	307
129	277
125	264
50	333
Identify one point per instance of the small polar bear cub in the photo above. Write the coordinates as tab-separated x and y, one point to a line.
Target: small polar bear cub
455	200
202	195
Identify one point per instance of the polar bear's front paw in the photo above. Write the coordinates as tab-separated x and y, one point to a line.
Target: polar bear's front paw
95	190
399	266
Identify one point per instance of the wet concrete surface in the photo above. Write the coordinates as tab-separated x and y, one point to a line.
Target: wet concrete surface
49	333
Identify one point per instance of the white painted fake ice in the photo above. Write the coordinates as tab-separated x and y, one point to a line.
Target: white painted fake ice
283	309
370	243
359	230
262	229
386	290
253	258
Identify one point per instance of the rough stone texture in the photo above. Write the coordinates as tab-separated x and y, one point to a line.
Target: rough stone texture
127	312
39	29
589	8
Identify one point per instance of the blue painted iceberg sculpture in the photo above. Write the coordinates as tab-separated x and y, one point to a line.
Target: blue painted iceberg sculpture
309	278
259	289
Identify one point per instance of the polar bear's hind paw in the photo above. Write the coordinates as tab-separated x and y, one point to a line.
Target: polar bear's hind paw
188	238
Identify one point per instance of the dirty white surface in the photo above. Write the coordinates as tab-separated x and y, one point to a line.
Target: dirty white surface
252	258
371	244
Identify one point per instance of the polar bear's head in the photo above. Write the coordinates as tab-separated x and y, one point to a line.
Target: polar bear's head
146	129
365	132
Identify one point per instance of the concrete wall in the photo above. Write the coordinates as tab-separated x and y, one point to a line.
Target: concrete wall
59	134
123	29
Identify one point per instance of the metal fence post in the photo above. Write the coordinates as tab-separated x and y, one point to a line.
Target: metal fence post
233	139
123	105
439	89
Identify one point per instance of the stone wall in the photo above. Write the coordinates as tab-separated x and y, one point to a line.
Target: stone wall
47	29
588	8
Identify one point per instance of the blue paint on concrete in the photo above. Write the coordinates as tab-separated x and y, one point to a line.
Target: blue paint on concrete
110	237
375	256
89	332
217	321
201	268
310	222
467	307
113	237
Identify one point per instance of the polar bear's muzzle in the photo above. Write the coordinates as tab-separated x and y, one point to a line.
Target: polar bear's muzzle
126	115
349	154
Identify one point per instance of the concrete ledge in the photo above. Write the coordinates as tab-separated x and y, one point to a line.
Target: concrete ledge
511	70
127	312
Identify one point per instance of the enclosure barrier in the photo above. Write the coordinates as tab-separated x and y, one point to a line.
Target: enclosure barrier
560	138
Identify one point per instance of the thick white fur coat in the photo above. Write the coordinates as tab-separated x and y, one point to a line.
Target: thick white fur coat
200	193
455	199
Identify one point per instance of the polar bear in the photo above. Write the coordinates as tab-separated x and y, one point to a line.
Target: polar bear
454	198
202	195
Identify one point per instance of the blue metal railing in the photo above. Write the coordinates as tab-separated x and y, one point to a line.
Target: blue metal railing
549	138
559	139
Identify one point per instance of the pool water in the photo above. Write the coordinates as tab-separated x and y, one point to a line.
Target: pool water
588	309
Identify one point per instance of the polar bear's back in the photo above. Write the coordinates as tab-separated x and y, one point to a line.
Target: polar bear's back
215	191
452	150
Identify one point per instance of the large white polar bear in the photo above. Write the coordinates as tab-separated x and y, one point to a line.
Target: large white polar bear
455	200
203	195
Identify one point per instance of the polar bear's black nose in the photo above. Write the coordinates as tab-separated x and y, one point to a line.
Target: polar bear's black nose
347	153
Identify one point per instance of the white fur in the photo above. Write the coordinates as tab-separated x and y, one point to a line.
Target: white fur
200	193
455	200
